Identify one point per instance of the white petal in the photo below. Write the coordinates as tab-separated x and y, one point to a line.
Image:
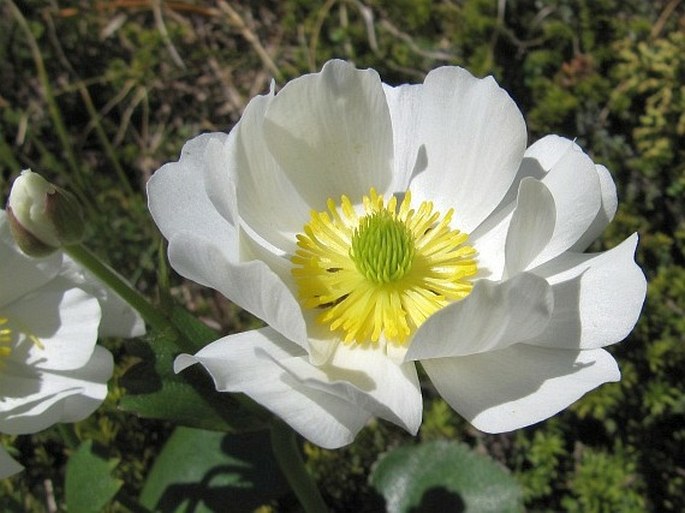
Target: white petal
489	240
532	225
597	297
404	103
493	316
606	212
267	201
544	154
118	318
178	201
40	399
249	363
65	321
500	391
331	133
252	285
367	377
8	466
574	183
20	273
474	136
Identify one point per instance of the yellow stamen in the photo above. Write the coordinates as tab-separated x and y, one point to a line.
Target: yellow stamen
382	273
5	338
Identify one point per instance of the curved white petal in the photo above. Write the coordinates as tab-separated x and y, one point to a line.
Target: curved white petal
597	297
500	391
493	316
252	285
20	273
573	181
249	363
474	138
489	240
8	466
331	133
54	328
409	159
532	225
369	378
606	212
178	200
267	201
37	399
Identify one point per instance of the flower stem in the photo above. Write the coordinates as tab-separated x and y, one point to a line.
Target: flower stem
111	278
290	460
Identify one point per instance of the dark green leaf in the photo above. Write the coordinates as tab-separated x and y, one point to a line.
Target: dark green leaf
89	484
444	476
205	471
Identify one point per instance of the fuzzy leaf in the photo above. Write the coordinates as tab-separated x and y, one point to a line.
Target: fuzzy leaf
89	485
444	476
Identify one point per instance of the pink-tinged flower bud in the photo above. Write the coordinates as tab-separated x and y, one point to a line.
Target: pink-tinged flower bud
42	216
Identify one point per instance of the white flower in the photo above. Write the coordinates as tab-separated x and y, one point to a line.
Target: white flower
51	312
373	226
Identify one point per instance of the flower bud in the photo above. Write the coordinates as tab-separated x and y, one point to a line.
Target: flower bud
42	216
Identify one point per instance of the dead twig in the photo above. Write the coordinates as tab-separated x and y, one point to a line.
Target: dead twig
237	21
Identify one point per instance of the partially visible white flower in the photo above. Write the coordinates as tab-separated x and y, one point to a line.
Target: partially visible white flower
372	227
51	313
8	466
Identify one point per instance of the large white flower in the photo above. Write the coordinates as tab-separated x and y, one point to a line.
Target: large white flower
372	226
51	312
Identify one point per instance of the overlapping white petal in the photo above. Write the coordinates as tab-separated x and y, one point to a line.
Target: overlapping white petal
514	387
474	137
331	133
367	378
522	346
252	363
492	317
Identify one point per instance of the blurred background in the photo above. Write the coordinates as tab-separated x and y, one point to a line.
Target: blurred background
97	95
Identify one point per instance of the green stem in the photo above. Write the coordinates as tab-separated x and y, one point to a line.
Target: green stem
115	282
290	460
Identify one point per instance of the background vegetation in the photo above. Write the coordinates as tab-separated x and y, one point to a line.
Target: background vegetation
97	95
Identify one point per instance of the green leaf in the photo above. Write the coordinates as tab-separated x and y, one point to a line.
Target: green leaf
89	484
444	476
189	398
204	471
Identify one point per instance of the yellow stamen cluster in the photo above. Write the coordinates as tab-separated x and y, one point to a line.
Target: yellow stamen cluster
384	272
5	338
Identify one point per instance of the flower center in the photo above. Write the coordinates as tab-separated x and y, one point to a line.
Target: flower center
382	247
383	272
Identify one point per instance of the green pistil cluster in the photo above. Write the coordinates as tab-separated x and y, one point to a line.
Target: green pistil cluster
382	247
